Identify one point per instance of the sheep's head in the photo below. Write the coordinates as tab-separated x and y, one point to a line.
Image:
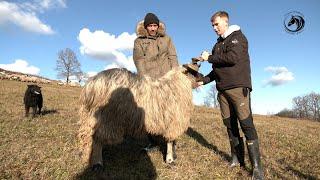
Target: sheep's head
34	89
191	70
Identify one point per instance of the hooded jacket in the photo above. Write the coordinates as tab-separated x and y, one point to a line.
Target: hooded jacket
230	61
153	56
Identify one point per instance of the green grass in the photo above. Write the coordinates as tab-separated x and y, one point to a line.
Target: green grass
45	147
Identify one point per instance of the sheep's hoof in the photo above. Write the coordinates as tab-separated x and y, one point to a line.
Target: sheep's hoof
97	167
170	160
171	164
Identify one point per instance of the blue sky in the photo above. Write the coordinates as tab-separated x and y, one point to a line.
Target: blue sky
101	33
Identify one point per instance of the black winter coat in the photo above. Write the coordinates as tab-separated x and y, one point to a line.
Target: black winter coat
230	62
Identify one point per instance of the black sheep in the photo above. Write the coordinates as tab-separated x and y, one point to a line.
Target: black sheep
33	98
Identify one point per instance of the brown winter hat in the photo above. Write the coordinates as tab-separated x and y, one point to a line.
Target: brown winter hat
150	18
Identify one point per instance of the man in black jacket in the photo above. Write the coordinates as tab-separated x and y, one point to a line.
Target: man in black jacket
231	71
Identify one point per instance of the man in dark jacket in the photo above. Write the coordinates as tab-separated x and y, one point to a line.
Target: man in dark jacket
231	71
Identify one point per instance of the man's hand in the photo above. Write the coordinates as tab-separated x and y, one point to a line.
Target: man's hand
198	84
205	55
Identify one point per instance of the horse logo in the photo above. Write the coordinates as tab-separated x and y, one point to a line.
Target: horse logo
294	22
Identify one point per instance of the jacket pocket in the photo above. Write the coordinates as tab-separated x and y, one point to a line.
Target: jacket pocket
245	91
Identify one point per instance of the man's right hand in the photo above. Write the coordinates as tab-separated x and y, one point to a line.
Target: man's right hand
205	55
199	83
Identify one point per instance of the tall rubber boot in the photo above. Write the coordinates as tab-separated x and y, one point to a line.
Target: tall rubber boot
237	152
254	155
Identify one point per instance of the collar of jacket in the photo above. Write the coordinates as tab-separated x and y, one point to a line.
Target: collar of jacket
142	32
230	30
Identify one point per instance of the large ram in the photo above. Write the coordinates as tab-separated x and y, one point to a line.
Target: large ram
117	103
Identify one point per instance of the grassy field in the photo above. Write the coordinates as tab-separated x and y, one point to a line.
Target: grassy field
45	147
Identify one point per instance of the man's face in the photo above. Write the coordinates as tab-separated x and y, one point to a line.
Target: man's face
220	25
152	29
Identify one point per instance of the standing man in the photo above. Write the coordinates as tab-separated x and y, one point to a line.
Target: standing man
231	71
154	53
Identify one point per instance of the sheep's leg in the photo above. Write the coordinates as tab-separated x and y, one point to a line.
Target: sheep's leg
27	111
39	109
96	156
34	110
170	152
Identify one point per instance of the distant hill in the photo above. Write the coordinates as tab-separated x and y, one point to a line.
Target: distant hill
19	73
31	78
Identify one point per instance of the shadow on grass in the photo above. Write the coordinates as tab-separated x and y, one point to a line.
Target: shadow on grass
122	116
123	161
298	173
159	144
48	111
42	113
201	140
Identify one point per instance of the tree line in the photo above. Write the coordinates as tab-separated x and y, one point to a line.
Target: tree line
304	107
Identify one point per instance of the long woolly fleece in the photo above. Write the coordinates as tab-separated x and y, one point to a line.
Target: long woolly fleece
116	103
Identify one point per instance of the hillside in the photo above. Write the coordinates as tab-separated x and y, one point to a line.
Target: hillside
31	78
19	73
46	147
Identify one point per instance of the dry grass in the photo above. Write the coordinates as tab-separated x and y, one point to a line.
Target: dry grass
46	147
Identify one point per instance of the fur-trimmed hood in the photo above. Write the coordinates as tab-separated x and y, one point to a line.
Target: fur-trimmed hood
142	32
230	30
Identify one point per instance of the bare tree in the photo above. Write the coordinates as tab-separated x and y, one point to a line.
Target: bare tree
300	106
211	98
67	64
80	76
297	106
314	104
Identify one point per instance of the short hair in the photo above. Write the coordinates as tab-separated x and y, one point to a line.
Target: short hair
219	14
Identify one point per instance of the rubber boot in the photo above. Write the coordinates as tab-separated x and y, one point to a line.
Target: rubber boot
254	155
